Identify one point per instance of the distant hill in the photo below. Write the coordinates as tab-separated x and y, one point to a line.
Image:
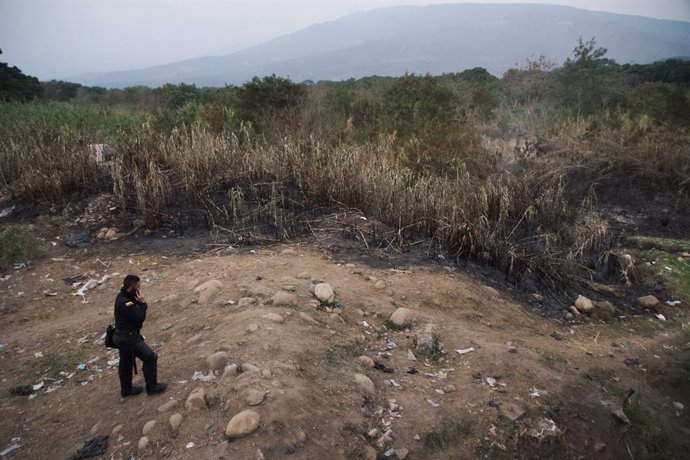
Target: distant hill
421	39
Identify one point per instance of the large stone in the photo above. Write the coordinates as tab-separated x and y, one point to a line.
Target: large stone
324	292
284	298
207	291
648	302
143	443
217	361
366	362
401	317
583	304
242	424
229	371
167	406
175	421
196	399
424	338
148	427
255	397
365	384
275	317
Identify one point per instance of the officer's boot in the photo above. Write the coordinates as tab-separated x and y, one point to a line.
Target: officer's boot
124	371
151	376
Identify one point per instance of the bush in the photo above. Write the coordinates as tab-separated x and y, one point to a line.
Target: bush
16	245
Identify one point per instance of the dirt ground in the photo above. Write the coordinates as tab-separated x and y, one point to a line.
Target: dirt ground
567	378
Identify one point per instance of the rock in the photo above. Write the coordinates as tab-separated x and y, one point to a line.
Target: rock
96	428
424	338
648	302
365	384
207	291
604	308
301	437
583	304
148	427
253	327
366	362
175	421
599	447
110	234
324	292
303	276
217	361
380	284
266	373
166	326
538	297
212	398
574	310
229	371
275	317
369	453
308	318
222	451
242	424
401	317
194	338
167	406
255	397
511	411
196	399
245	302
284	298
401	453
288	252
117	429
569	316
449	389
247	367
143	443
411	356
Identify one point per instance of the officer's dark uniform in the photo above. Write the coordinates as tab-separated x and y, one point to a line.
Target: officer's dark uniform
129	317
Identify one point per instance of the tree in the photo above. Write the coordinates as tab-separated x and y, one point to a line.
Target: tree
15	86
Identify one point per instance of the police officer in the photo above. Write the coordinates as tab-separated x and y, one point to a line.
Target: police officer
130	313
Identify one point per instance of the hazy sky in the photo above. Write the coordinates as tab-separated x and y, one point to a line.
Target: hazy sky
60	38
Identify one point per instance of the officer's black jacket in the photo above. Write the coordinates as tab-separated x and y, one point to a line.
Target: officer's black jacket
129	313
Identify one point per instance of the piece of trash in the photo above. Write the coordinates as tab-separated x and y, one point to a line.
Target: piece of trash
199	375
78	240
57	259
631	361
81	367
230	302
389	453
12	447
394	383
22	390
6	212
441	392
491	381
49	293
661	317
5	278
433	403
381	367
91	448
38	386
114	362
365	324
38	354
411	370
391	344
464	351
431	375
189	445
536	393
544	429
673	303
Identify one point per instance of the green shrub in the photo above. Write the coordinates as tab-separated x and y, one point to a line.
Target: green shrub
16	245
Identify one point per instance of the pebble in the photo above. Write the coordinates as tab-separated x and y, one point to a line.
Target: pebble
117	429
284	298
96	428
401	317
168	406
366	362
229	371
449	389
308	318
255	397
217	361
275	317
380	284
143	443
253	327
599	447
243	424
303	276
166	326
196	399
648	302
148	427
175	421
365	384
194	338
245	302
324	292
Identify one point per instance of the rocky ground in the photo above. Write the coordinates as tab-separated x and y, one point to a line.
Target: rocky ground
296	351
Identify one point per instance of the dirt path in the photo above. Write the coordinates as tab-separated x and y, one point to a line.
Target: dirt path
456	407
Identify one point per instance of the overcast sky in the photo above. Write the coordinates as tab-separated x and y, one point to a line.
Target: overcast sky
60	38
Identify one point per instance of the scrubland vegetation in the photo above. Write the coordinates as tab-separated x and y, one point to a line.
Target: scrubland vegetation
507	171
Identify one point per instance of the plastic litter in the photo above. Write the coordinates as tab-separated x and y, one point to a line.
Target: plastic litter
433	403
383	368
12	447
91	448
389	453
394	383
491	381
544	429
464	351
199	375
189	445
536	393
661	317
38	386
673	303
